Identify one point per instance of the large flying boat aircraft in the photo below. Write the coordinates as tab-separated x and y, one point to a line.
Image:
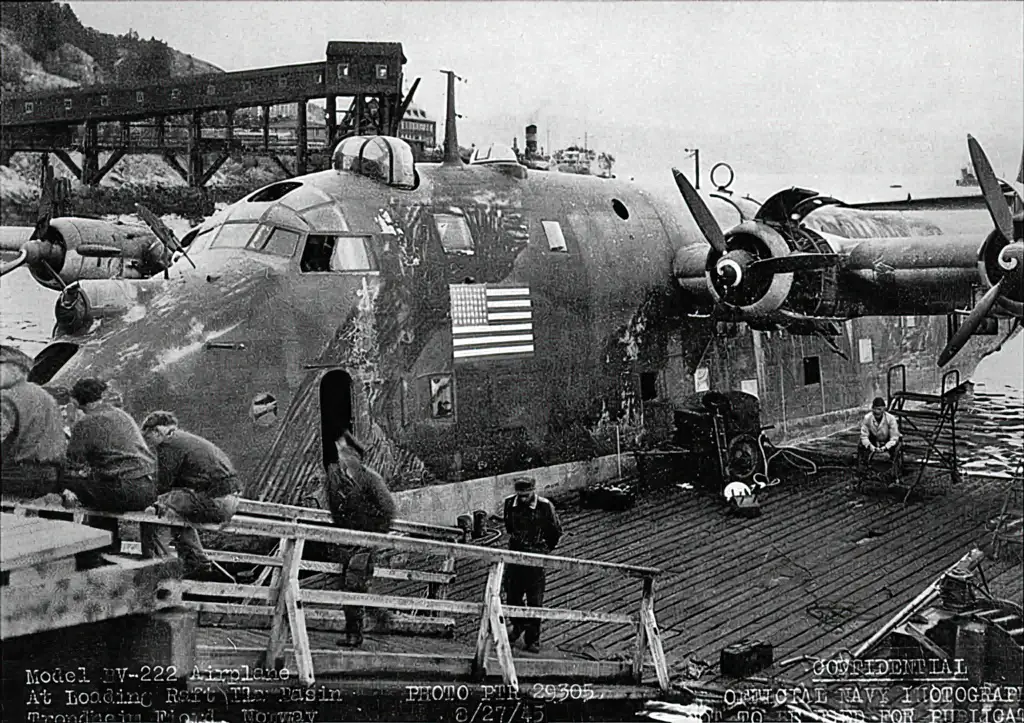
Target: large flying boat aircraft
471	319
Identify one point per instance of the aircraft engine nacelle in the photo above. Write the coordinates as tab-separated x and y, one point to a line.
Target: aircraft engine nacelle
82	249
734	280
1000	259
83	303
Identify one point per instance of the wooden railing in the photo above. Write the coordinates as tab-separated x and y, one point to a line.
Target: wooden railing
288	603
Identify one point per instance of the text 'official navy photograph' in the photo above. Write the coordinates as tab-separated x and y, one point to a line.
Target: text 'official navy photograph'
516	362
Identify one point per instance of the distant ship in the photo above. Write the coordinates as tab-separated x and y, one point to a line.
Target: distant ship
574	159
967	177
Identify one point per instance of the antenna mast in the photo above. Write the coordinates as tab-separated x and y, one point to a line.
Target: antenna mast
451	136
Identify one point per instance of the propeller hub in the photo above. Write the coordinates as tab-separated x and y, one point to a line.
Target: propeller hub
730	268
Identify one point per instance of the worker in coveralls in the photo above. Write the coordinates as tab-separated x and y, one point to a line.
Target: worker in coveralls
880	432
197	483
359	500
533	526
117	472
32	442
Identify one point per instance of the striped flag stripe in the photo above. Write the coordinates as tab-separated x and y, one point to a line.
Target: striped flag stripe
467	353
508	303
509	315
477	329
493	339
508	292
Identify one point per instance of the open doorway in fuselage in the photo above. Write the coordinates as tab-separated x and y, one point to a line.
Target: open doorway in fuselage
335	411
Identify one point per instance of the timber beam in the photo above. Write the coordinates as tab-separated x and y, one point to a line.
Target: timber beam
280	164
116	156
214	167
68	161
171	161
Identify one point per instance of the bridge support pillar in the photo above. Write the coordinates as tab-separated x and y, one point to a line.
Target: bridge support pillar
301	134
266	128
91	155
332	120
195	150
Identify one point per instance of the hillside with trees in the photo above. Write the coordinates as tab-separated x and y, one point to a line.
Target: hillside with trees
44	45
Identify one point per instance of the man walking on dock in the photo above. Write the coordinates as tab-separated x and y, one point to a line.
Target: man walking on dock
32	443
359	500
197	483
533	526
880	432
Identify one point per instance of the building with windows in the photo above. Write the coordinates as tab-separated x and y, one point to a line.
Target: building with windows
418	129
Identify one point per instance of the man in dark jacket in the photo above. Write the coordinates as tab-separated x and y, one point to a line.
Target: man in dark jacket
533	526
197	483
32	439
359	500
118	470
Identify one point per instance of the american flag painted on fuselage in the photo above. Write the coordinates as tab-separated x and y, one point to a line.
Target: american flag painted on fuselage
491	322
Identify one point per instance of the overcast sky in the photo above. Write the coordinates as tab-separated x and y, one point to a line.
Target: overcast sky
792	88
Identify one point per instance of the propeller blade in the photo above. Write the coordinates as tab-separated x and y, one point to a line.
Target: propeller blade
798	261
979	312
98	250
9	266
166	236
44	213
701	213
990	189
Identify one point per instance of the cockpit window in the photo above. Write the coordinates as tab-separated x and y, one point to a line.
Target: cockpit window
454	232
382	158
337	253
233	236
276	241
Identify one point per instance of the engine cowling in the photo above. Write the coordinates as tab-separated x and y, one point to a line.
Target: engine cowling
79	249
734	281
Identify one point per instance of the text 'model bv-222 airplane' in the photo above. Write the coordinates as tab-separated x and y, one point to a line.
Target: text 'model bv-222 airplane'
470	319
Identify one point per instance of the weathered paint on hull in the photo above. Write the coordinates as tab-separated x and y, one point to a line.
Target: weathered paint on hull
613	351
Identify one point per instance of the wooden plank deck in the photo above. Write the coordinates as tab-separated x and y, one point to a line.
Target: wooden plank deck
821	569
29	541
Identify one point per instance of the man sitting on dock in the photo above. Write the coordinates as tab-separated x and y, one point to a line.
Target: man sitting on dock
197	483
533	526
880	432
32	439
121	471
359	500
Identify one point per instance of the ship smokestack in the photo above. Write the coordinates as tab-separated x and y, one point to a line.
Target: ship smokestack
451	136
531	140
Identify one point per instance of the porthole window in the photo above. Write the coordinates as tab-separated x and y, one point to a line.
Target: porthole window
382	71
343	70
104	100
620	209
67	104
211	89
140	97
29	106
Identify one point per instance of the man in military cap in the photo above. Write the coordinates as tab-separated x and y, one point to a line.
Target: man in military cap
533	526
359	500
31	429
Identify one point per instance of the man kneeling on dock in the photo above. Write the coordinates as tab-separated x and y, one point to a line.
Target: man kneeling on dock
533	526
359	500
197	483
880	432
32	442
